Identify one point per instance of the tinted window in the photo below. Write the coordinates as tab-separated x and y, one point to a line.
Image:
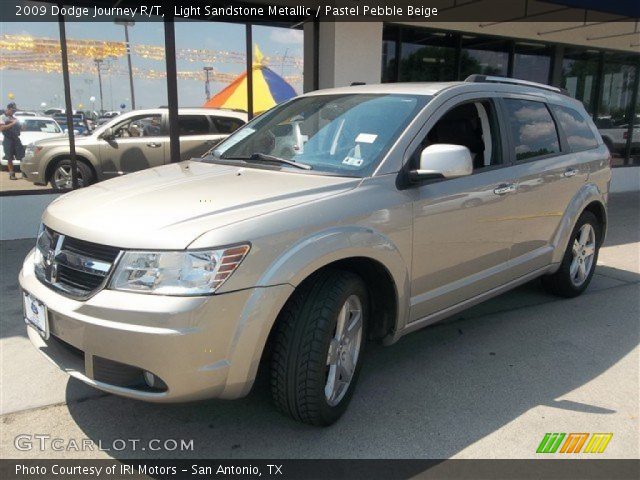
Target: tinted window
533	129
576	128
226	124
193	125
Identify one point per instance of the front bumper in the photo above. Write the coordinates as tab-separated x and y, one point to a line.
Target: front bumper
199	347
30	166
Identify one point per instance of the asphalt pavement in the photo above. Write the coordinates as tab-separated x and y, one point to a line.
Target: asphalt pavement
487	383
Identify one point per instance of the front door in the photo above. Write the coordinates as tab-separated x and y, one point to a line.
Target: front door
139	142
462	227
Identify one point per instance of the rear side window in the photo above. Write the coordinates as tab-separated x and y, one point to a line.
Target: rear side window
576	129
193	125
226	124
532	128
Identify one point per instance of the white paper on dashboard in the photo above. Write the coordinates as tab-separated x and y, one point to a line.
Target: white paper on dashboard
366	138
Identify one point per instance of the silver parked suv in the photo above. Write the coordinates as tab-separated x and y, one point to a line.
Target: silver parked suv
128	143
344	215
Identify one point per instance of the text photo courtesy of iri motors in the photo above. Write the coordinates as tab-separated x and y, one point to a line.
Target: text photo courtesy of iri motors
320	240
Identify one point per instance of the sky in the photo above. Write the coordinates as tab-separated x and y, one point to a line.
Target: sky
31	89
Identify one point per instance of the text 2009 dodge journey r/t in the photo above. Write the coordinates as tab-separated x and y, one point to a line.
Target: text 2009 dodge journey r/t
341	216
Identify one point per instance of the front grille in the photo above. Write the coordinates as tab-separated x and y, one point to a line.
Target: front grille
77	279
75	267
93	250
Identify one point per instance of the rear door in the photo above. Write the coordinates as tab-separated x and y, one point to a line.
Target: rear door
548	176
198	134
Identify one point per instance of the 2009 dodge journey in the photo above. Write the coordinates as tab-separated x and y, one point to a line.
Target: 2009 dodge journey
339	217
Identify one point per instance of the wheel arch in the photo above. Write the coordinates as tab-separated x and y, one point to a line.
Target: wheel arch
61	156
588	198
361	250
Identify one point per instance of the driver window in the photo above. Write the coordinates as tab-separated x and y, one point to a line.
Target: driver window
473	125
147	126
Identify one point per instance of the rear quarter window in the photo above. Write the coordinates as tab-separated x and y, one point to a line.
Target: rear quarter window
226	124
533	130
576	128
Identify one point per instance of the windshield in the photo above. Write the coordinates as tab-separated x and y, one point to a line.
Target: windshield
342	134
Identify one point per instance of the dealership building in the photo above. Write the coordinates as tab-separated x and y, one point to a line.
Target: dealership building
591	48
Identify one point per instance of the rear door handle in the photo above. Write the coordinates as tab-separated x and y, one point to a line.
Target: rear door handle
154	145
570	172
504	188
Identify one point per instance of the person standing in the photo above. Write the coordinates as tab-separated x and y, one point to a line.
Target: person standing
11	144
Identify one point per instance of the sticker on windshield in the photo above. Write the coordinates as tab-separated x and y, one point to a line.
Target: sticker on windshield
366	138
352	161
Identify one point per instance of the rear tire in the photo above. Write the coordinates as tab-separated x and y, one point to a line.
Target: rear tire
579	261
61	174
318	346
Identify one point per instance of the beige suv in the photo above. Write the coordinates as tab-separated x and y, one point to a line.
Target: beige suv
341	216
131	142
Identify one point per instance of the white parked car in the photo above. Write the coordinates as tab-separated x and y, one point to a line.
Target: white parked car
33	129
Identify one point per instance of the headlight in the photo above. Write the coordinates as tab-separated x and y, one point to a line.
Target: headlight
42	249
194	272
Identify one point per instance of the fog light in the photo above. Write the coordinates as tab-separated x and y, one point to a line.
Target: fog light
150	378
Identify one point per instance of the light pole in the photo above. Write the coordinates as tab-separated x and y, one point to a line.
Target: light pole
98	62
207	90
128	23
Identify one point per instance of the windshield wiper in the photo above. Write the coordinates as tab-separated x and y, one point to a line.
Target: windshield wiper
270	158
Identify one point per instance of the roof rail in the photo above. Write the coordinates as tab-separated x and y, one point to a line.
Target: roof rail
475	78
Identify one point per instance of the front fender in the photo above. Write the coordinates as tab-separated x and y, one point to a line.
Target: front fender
338	243
62	152
587	194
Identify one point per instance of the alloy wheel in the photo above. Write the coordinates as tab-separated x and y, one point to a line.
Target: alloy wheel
62	177
583	251
344	350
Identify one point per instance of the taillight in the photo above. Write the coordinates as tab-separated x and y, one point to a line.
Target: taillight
625	134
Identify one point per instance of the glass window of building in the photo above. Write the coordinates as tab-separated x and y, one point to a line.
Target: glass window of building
579	75
31	77
614	111
533	130
634	147
532	62
428	56
390	39
481	55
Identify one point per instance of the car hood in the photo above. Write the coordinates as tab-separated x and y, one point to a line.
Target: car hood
170	206
62	139
32	137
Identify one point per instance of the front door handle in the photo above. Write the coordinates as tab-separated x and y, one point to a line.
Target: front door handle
504	188
570	172
154	145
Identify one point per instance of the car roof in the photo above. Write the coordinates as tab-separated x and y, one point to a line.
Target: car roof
403	88
433	88
39	117
191	110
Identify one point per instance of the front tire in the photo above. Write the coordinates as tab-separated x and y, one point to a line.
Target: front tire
579	261
61	175
318	347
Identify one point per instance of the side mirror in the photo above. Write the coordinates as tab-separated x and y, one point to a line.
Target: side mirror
107	134
443	160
